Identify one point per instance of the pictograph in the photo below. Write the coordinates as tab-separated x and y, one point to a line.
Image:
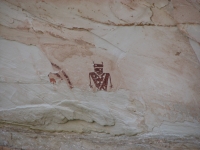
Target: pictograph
99	78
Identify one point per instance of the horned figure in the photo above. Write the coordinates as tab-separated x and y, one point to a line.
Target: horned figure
99	78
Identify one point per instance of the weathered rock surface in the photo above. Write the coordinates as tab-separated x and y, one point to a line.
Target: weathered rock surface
19	138
149	50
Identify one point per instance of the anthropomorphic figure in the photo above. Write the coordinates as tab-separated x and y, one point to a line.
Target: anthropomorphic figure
99	78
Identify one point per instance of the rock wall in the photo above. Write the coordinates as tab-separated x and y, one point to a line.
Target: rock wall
120	67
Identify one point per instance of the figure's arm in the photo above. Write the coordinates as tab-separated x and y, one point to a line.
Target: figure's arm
110	82
90	80
67	78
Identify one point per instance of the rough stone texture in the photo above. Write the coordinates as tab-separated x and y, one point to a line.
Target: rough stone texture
24	139
150	48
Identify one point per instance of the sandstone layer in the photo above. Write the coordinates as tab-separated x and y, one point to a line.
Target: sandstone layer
149	50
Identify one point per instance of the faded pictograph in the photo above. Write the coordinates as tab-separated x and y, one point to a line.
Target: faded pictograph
59	75
98	79
101	80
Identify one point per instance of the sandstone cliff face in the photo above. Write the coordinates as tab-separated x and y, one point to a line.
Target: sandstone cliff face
150	50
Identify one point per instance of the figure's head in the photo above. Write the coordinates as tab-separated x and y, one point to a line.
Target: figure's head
98	68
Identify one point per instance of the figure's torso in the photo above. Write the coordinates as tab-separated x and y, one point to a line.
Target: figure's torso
100	81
